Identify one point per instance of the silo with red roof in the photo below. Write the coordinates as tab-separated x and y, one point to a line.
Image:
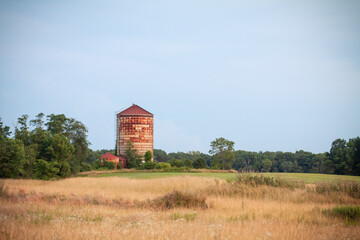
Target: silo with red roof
135	124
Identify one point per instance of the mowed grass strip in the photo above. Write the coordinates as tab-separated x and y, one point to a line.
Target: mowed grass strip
152	175
315	177
306	177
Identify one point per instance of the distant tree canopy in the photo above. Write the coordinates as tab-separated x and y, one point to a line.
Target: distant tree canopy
58	146
343	158
43	149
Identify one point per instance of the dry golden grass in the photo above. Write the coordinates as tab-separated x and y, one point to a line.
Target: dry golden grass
250	213
113	187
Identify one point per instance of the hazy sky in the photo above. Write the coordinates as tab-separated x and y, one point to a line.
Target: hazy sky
268	75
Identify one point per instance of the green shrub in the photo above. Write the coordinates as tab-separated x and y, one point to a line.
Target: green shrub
148	156
149	165
179	199
163	165
109	165
85	166
351	214
96	165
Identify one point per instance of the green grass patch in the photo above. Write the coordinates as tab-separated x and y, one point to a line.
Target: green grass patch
306	177
315	177
152	175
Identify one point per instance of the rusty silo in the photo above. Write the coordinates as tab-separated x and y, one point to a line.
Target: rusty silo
135	124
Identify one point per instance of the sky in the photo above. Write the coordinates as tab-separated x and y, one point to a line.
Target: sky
268	75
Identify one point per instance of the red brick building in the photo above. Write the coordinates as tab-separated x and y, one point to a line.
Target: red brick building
112	158
135	124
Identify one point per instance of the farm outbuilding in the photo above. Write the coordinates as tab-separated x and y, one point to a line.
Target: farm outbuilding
112	158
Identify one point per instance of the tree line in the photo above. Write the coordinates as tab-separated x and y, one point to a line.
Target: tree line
343	158
56	146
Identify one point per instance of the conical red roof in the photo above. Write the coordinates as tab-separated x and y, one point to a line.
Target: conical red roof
135	110
109	156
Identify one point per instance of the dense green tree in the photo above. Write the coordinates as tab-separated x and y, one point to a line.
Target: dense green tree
249	158
339	157
77	134
353	154
160	155
60	148
12	158
4	131
286	166
247	161
12	155
305	160
188	163
179	155
176	163
38	122
318	163
22	132
199	163
45	170
31	154
61	152
223	151
56	124
266	165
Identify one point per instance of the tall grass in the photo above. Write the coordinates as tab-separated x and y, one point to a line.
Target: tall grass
171	208
257	179
350	188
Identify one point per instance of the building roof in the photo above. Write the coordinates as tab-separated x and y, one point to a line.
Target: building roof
135	110
109	156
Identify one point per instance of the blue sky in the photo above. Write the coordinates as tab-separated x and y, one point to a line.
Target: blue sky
268	75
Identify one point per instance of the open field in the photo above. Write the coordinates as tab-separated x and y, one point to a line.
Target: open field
168	208
307	177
